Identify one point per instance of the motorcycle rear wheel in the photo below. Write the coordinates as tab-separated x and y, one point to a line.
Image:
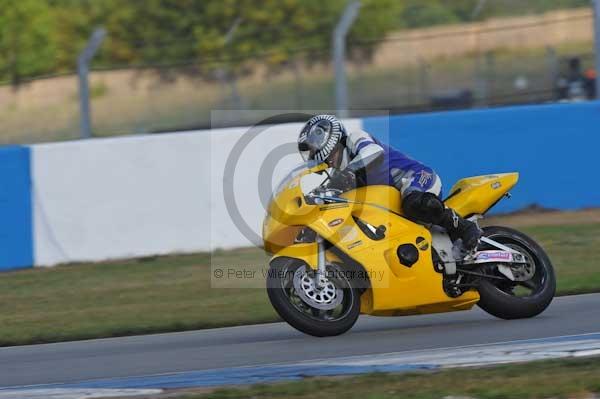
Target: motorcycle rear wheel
329	312
499	298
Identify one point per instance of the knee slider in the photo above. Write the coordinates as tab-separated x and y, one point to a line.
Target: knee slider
434	206
423	207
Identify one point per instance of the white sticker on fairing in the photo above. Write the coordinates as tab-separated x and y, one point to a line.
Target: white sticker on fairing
348	233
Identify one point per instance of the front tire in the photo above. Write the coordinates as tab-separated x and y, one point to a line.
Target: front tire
321	314
498	298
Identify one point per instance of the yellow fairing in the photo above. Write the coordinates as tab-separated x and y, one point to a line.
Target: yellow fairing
307	252
395	288
476	195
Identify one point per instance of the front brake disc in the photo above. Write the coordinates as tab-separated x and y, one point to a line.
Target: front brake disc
327	297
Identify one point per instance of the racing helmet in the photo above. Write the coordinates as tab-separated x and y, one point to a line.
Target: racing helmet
320	136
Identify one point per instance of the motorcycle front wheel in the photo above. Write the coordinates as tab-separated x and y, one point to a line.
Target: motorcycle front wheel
521	299
322	310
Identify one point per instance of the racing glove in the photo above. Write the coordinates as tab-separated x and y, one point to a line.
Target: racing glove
344	180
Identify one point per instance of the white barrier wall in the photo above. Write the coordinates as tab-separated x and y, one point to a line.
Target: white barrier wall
147	195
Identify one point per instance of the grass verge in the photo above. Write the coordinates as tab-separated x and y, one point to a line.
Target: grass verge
174	293
574	378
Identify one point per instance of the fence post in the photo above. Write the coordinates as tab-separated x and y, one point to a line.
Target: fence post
83	70
339	56
552	68
480	79
490	76
298	81
236	100
596	4
424	94
227	78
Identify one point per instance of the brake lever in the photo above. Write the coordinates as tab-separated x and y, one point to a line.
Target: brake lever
320	200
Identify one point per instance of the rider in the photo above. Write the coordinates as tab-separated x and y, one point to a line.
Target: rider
359	157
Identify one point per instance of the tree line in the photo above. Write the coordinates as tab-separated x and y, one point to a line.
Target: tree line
44	37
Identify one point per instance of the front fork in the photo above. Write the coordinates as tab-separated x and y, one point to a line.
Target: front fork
321	271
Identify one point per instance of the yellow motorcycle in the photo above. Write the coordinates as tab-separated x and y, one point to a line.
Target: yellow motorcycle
338	254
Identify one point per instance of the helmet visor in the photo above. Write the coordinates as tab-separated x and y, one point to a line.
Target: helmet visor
314	140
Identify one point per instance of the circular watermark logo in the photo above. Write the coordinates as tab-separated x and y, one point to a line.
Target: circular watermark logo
252	158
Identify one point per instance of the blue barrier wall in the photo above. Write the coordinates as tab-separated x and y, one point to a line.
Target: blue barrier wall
555	148
16	242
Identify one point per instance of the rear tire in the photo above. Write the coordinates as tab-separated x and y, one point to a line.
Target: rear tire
298	313
497	300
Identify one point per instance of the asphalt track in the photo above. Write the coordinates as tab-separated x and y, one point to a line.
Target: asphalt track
279	343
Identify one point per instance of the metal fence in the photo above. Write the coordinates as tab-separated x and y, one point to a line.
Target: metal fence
502	61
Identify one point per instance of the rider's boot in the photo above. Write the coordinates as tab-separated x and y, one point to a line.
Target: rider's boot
459	228
429	208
